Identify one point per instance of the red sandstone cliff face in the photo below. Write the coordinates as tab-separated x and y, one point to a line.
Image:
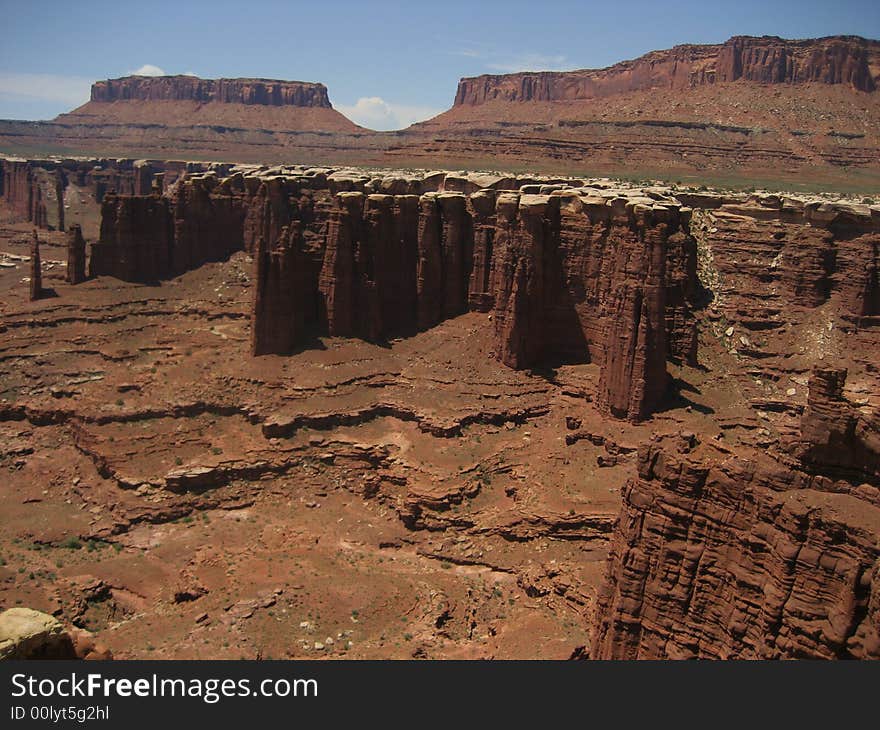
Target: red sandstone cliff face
54	194
76	256
22	193
565	276
802	258
580	278
527	227
136	239
836	439
721	556
207	222
834	60
769	60
265	92
634	375
769	550
281	286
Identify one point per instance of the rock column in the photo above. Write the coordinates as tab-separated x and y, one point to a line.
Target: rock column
36	270
76	255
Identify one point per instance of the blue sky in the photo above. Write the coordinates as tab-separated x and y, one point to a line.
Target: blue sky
386	64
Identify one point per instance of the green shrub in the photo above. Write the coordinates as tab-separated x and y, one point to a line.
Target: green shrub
71	543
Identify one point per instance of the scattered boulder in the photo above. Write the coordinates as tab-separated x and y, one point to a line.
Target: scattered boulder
29	634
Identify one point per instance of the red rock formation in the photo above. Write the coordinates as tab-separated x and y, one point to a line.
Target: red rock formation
337	280
798	255
150	237
136	239
23	193
17	187
834	60
38	214
588	280
405	253
682	292
265	92
368	276
482	211
375	229
770	60
36	282
208	223
836	439
76	256
60	184
268	210
565	276
718	556
430	262
278	319
143	178
526	227
387	264
456	244
633	377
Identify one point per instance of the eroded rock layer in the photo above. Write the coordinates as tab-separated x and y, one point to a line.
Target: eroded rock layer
767	59
723	556
228	91
571	273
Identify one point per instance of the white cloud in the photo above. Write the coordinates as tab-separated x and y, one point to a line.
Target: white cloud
69	91
530	62
148	69
374	112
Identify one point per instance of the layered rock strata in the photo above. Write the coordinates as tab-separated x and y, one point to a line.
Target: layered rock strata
55	193
266	92
720	557
769	60
751	555
135	241
564	270
21	191
278	317
836	438
568	271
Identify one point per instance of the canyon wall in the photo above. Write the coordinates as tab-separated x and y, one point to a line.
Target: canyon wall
801	255
136	239
56	193
834	60
752	555
22	193
567	273
761	542
564	276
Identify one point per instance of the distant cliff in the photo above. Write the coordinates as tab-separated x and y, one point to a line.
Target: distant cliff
265	92
768	59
